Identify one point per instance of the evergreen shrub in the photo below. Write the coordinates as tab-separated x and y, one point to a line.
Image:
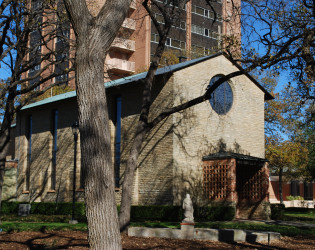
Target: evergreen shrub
156	213
277	211
176	213
8	207
138	213
214	213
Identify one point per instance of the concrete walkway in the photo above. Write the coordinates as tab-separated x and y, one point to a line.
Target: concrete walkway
282	223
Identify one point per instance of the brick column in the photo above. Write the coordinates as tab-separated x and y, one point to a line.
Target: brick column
232	176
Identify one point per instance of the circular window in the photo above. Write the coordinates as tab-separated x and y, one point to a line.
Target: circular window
222	97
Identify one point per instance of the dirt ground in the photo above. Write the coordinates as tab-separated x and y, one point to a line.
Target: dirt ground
78	240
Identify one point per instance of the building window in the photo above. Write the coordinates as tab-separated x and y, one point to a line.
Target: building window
29	152
221	99
295	188
174	43
54	150
196	29
205	13
171	42
155	38
206	32
308	191
117	140
62	79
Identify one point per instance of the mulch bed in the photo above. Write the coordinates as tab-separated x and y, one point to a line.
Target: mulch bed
78	240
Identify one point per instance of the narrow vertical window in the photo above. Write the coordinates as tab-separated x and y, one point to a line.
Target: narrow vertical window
117	140
54	149
29	152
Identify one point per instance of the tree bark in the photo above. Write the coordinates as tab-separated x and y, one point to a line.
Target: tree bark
143	127
280	185
5	137
94	36
126	199
4	144
101	210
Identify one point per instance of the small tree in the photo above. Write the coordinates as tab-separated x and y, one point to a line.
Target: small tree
287	159
23	48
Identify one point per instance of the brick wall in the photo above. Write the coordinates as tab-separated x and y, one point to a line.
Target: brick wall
153	178
41	153
170	163
9	180
201	131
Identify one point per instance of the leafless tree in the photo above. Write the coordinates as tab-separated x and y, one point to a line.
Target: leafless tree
27	58
94	36
283	46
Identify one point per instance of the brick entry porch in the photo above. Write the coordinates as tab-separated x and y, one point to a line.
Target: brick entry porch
241	180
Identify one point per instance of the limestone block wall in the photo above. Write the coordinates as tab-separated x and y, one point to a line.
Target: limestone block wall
201	131
153	178
9	181
40	188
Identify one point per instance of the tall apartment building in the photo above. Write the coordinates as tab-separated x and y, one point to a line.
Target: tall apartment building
197	32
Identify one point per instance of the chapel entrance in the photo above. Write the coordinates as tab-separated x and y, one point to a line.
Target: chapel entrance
241	180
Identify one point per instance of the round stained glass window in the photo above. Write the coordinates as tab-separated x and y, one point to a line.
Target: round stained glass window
221	99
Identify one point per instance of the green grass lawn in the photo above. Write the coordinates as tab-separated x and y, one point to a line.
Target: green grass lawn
10	226
308	217
12	223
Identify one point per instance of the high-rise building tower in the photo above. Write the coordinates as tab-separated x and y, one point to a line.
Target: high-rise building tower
199	31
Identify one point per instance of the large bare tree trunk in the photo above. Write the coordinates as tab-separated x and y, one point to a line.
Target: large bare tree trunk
101	208
143	126
4	144
94	36
5	138
132	163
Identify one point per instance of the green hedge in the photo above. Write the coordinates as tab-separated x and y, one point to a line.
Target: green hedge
156	213
214	213
46	208
300	209
138	213
277	211
175	213
9	207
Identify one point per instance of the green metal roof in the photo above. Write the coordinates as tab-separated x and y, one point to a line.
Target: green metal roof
137	77
230	155
51	99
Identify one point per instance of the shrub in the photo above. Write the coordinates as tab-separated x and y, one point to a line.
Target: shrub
156	213
61	208
214	213
176	213
9	207
277	211
46	208
292	198
300	209
138	213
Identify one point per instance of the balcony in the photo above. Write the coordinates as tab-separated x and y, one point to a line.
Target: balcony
125	45
129	24
133	5
120	66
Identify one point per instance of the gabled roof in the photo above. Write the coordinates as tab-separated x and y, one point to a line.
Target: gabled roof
137	77
230	155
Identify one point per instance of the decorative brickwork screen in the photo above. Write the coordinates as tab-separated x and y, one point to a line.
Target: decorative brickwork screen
216	181
250	182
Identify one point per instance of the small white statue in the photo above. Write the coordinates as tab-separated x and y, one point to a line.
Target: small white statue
189	210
